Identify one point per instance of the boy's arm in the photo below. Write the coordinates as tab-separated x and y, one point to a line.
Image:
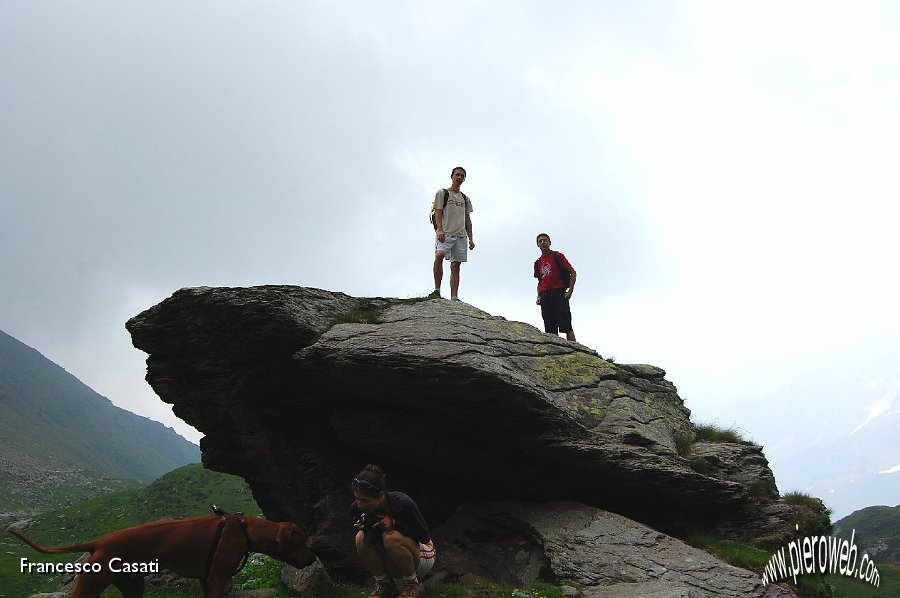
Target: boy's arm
469	231
439	220
571	281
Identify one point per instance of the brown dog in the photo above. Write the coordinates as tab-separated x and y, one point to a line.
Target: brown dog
208	548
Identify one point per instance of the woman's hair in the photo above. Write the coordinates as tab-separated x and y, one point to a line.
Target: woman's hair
371	481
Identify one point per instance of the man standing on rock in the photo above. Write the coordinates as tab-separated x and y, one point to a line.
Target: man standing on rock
556	282
453	232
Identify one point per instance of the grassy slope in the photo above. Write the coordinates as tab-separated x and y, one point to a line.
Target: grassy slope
846	587
874	525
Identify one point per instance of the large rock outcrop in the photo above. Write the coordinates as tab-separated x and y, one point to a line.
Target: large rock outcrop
459	407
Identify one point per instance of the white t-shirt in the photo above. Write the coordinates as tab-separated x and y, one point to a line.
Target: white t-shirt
454	213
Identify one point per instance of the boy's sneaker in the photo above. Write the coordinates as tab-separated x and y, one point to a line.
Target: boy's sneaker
434	294
384	588
412	589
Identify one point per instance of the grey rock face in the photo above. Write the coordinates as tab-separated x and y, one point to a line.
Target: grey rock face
312	579
458	406
603	553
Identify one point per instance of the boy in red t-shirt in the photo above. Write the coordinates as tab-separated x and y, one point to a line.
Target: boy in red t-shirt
556	281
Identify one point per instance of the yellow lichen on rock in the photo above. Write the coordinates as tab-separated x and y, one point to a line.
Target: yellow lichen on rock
572	370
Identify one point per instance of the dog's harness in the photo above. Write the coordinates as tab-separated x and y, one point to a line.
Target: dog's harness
223	520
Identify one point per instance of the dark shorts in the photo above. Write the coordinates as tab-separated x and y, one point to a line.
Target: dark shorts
555	311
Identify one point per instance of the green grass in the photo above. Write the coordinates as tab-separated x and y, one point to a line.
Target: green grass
715	433
764	488
848	587
261	571
359	316
701	465
813	517
706	432
801	499
683	444
371	314
732	552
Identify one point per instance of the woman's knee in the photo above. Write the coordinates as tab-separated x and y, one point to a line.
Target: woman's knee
395	539
361	542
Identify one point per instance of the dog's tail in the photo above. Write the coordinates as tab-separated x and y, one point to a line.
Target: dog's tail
86	547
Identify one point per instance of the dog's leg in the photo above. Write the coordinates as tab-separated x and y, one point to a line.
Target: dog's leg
216	588
91	585
131	586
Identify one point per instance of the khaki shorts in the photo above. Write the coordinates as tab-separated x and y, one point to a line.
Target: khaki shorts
456	249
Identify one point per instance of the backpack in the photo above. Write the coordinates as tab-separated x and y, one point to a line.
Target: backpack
563	273
446	197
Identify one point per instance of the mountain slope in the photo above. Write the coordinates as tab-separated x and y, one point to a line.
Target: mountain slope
49	415
877	532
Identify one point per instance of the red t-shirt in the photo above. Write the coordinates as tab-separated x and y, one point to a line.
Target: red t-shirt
548	273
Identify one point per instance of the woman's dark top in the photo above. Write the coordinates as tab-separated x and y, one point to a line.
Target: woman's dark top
408	519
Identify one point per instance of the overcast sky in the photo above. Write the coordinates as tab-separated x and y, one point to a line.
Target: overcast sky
724	176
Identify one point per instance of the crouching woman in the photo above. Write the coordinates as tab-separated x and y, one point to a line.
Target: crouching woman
392	538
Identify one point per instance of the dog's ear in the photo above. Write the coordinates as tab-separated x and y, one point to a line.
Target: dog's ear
284	535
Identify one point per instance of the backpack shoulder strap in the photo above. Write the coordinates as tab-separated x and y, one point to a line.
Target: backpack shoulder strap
446	197
559	263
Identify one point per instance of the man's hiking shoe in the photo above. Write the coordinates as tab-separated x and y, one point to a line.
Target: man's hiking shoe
384	589
454	298
412	589
434	295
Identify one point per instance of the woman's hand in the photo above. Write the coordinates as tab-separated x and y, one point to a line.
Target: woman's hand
386	524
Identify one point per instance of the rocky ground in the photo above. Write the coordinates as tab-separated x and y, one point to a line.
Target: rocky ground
31	486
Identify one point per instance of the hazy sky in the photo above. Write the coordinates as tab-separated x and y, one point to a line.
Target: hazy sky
725	176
